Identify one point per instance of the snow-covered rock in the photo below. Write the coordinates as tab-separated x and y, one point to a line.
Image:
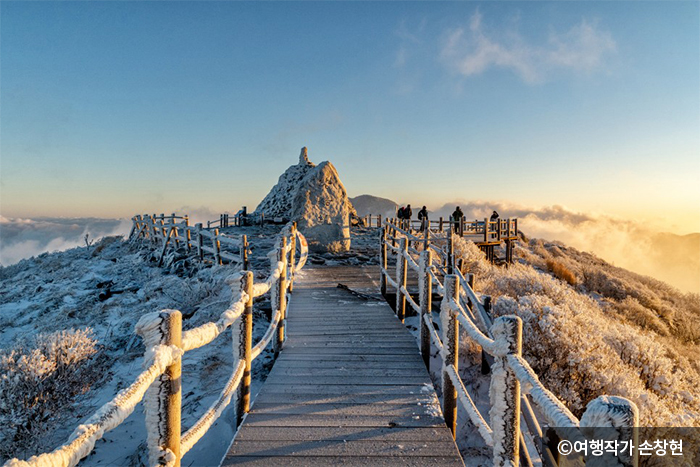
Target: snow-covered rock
278	202
322	210
316	199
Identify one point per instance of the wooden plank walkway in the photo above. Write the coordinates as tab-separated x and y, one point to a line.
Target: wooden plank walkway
348	388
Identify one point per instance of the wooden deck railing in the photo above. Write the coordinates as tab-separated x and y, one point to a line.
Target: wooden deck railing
159	385
166	231
501	343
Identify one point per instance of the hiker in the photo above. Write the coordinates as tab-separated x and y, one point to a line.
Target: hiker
457	220
423	218
495	221
407	213
400	213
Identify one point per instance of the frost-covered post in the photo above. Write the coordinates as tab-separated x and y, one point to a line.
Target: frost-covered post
505	393
200	242
173	374
292	256
245	345
173	229
188	234
401	267
608	416
427	237
163	400
485	367
450	334
281	300
393	232
244	252
383	262
426	303
217	247
163	229
450	253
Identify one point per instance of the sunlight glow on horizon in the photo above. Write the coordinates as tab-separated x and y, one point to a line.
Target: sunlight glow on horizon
112	109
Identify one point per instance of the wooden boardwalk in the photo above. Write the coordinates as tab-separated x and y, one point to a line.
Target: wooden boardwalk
349	387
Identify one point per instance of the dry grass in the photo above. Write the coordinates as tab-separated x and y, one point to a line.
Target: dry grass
562	272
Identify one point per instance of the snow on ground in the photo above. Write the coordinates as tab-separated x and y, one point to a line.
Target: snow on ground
63	290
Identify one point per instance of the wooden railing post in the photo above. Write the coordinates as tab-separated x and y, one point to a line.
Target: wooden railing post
486	229
165	395
608	415
505	414
155	228
200	242
245	345
217	247
450	253
383	260
401	266
244	252
379	220
188	234
281	285
485	366
174	398
440	224
292	256
426	304
162	225
450	354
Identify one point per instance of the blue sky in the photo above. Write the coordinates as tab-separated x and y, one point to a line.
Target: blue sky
113	108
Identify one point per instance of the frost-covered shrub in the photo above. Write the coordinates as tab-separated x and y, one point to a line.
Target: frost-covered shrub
599	281
579	346
631	310
40	379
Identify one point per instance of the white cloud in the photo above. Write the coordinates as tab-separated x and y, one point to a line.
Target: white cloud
628	244
474	50
23	238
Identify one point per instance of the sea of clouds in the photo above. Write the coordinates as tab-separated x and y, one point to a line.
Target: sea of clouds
631	245
672	258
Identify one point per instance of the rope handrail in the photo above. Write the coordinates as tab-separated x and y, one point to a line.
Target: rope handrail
556	413
162	356
468	404
199	429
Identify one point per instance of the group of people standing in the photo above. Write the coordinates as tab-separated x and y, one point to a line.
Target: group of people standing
404	215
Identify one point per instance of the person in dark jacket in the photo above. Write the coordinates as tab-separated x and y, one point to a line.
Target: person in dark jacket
457	220
407	214
494	216
423	217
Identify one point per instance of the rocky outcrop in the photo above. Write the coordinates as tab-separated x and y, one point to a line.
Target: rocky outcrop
316	199
278	202
322	210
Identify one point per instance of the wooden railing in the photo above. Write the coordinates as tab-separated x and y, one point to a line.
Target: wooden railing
371	220
484	231
501	343
237	220
159	385
175	231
